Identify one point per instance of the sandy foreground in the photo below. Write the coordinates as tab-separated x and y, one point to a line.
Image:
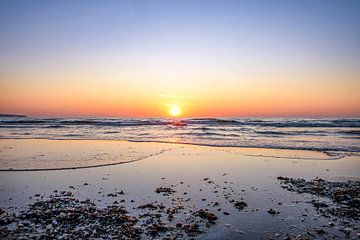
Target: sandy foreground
175	190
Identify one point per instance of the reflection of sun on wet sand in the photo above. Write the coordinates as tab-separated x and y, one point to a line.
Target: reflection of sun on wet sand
184	191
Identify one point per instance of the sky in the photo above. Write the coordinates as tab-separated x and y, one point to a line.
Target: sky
193	58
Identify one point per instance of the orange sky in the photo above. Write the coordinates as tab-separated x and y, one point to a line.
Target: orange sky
216	94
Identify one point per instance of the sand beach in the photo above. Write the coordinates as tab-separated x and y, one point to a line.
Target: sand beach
173	191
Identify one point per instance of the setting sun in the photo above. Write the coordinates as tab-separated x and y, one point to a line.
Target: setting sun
174	110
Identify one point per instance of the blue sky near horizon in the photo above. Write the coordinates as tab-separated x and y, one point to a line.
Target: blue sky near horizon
181	48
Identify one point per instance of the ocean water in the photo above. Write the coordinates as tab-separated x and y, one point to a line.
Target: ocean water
327	135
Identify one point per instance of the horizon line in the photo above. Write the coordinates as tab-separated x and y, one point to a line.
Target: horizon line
184	117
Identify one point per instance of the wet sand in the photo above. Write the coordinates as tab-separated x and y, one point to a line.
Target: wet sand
201	177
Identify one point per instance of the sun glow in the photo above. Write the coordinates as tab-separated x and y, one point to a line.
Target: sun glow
175	110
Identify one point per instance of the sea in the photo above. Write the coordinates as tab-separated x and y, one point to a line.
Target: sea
320	134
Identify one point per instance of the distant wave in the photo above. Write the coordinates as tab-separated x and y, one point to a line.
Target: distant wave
351	132
327	134
305	123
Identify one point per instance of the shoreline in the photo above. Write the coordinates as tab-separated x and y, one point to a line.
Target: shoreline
328	151
289	154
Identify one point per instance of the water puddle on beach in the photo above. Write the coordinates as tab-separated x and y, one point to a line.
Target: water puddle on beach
40	154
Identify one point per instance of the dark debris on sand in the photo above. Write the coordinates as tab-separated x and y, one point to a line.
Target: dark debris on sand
344	195
157	221
339	201
64	217
205	214
240	205
273	212
165	190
